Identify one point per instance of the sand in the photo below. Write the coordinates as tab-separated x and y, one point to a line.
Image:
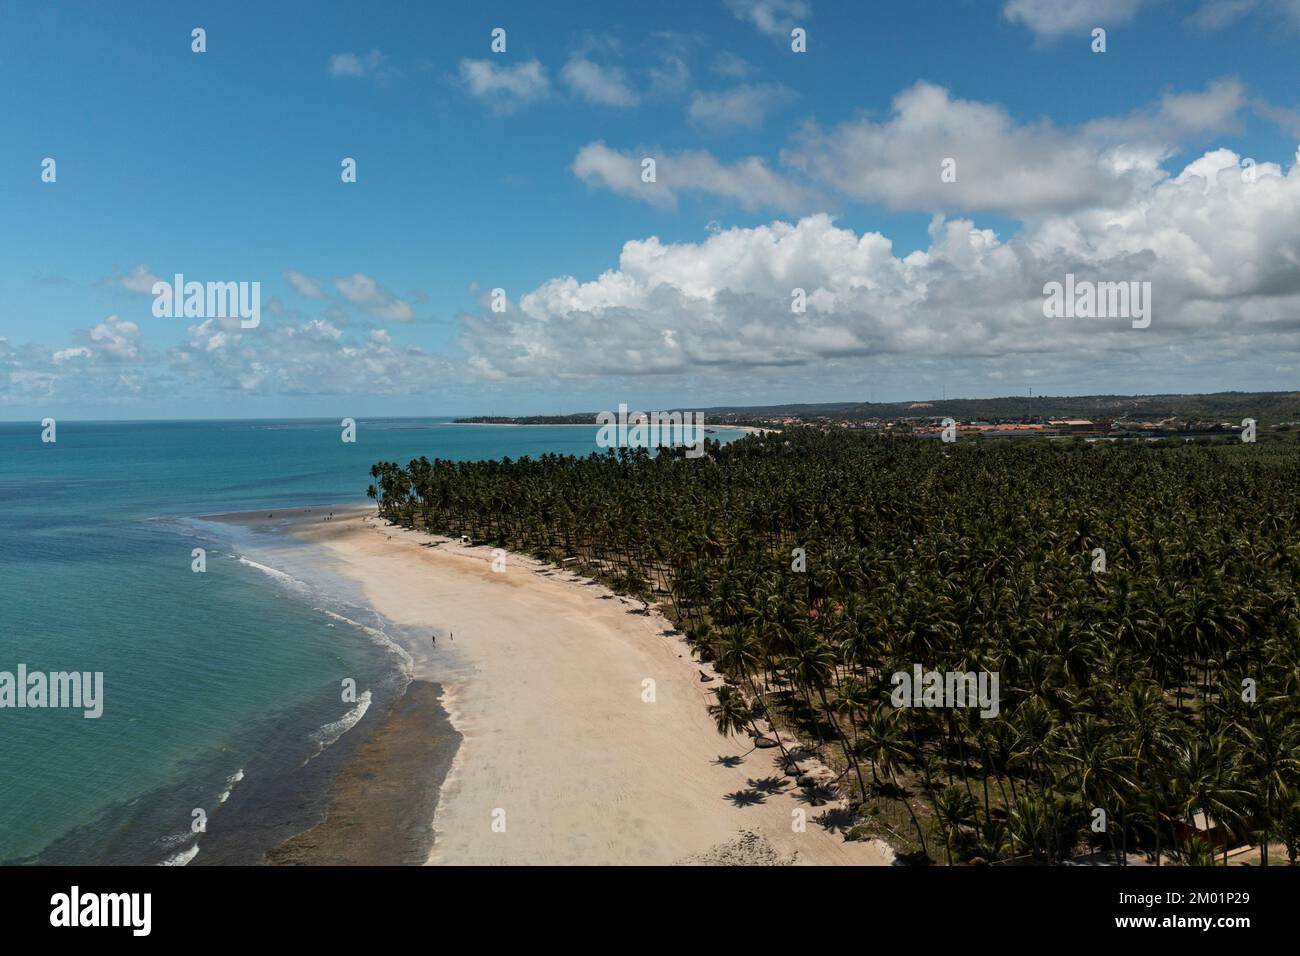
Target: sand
563	759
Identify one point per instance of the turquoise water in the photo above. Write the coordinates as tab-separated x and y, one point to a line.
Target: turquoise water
221	689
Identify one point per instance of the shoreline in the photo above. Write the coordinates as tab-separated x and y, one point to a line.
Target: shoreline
562	759
383	799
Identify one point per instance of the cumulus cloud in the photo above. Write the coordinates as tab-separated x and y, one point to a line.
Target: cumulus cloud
304	284
1002	165
114	340
1221	250
748	182
602	85
744	106
773	17
139	279
505	88
109	364
369	296
312	357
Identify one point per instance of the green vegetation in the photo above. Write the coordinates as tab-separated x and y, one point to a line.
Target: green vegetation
1120	689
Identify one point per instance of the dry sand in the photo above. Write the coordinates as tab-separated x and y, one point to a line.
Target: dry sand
545	677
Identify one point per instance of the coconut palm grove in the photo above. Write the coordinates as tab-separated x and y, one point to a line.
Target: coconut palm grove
1138	602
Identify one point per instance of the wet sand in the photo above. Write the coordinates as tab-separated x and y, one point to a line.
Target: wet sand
383	800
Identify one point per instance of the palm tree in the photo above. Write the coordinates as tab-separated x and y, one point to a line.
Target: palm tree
1119	690
730	713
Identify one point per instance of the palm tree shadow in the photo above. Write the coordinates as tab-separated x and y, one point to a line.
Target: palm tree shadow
731	761
768	785
837	819
816	796
746	798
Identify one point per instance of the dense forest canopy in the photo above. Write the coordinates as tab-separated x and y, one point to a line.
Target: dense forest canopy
1158	684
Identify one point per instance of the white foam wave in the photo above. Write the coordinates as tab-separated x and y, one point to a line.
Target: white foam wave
233	779
172	840
375	634
181	858
327	735
288	580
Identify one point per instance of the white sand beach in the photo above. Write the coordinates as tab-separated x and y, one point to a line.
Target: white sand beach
544	676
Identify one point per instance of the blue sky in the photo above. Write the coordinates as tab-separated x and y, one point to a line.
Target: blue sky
479	170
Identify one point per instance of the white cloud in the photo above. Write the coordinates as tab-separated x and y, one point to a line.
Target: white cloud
304	284
505	88
95	369
357	66
1002	165
139	279
115	340
744	106
312	357
365	293
1221	13
1286	120
602	85
1222	254
670	77
773	17
748	182
1050	19
1217	14
731	66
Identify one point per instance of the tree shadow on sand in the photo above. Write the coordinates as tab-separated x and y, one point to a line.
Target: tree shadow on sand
817	796
734	760
768	785
837	819
746	798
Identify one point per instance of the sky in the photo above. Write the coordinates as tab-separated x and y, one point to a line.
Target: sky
921	171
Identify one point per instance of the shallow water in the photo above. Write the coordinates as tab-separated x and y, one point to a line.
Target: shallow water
223	694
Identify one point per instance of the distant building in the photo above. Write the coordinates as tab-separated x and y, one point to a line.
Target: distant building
1074	426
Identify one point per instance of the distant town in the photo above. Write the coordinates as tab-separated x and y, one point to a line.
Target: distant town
1224	416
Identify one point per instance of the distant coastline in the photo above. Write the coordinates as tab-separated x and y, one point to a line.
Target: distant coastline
709	426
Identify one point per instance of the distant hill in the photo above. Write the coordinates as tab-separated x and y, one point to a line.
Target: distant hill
1267	408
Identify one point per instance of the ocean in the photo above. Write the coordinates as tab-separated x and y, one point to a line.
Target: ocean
224	720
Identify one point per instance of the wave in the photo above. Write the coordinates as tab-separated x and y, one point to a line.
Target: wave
181	858
329	734
233	779
378	635
276	574
172	840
